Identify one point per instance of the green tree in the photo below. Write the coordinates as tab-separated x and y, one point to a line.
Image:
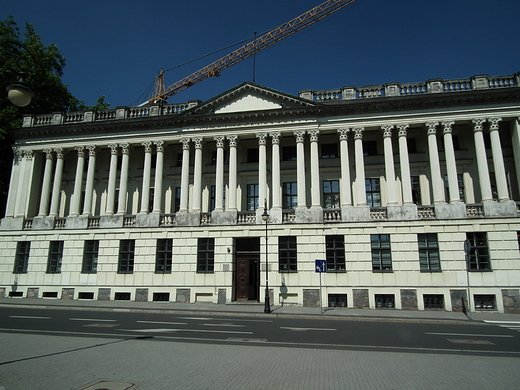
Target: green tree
44	79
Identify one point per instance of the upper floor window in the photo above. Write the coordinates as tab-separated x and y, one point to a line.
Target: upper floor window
329	151
411	145
90	257
252	197
22	257
335	253
373	191
287	254
381	252
331	194
163	259
416	190
369	148
289	153
290	195
429	252
55	257
205	255
479	252
252	155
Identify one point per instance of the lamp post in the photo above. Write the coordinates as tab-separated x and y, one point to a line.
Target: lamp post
19	92
265	218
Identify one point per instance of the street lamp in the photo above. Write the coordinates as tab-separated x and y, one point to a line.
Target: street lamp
19	92
265	218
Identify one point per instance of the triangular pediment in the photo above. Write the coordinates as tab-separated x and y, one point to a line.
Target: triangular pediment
249	97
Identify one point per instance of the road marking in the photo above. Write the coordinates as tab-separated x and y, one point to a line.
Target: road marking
32	317
91	319
196	318
186	330
462	341
244	339
163	322
503	322
232	325
469	334
304	329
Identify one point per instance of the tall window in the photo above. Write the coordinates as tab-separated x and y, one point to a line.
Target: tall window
335	253
369	148
287	254
252	155
22	257
331	194
329	151
213	199
150	199
126	257
373	191
289	195
55	256
90	257
205	255
289	153
429	252
416	190
163	259
460	180
177	201
479	252
252	197
381	253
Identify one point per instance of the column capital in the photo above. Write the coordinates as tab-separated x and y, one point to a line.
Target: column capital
343	133
300	136
478	124
447	126
17	152
387	130
185	143
314	135
198	142
233	139
275	137
80	150
159	145
59	153
494	123
91	151
220	140
432	127
48	153
113	149
125	148
262	138
28	154
147	146
403	129
358	132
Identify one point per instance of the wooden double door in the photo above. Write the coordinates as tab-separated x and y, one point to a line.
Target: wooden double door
247	269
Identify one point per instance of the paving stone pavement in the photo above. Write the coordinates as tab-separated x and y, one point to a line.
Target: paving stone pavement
76	363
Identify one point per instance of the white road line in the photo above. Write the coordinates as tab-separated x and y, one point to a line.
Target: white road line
468	334
196	318
231	325
185	330
304	329
32	317
503	322
163	322
91	319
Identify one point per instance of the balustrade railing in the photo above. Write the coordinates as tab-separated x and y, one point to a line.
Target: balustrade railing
59	223
93	222
167	220
426	212
331	215
474	211
129	221
378	213
205	218
246	218
288	216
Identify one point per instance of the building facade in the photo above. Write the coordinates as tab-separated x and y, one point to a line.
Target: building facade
408	191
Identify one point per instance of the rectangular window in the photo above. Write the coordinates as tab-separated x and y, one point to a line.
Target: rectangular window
287	254
177	201
484	302
460	180
416	190
329	151
289	153
479	252
385	301
22	257
252	155
433	301
290	196
205	255
90	257
212	200
335	253
252	197
381	252
150	199
163	259
369	148
373	191
429	252
126	257
331	194
55	257
411	144
337	300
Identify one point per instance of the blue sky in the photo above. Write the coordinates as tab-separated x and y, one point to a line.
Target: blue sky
116	47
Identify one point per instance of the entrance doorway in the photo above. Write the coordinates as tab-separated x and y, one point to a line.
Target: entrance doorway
247	266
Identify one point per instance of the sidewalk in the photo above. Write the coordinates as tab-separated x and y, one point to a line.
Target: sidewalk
257	310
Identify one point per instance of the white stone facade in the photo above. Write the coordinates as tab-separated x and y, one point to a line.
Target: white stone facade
165	202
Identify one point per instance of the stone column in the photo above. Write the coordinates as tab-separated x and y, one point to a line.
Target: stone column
315	170
219	179
435	166
56	187
185	175
24	187
262	168
78	182
389	164
300	169
360	167
232	196
516	147
406	177
14	182
451	164
112	180
346	196
483	170
89	187
498	160
157	199
276	179
197	175
46	187
145	195
123	181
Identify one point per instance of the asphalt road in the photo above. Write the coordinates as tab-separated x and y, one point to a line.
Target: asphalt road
404	336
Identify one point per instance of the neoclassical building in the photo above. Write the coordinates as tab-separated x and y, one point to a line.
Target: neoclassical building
408	192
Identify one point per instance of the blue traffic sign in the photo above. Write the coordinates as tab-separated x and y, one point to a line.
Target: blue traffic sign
321	266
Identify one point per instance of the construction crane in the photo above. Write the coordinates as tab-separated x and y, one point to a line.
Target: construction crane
312	16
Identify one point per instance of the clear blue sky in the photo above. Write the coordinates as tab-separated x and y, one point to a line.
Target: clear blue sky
116	47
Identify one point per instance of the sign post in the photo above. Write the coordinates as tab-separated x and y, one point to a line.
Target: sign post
320	267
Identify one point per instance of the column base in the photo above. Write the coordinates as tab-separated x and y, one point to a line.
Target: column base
355	214
406	212
314	215
224	217
187	219
450	211
500	209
